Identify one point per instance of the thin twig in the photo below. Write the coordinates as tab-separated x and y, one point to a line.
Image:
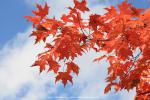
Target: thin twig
81	25
134	61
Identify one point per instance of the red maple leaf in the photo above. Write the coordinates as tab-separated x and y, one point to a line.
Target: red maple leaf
42	11
40	63
53	65
72	67
34	20
64	76
81	5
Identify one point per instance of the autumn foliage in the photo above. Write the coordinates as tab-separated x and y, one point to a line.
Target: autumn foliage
123	33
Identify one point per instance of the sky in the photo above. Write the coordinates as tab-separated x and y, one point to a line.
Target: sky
18	81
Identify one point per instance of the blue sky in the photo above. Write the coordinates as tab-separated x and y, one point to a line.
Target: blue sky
11	18
17	52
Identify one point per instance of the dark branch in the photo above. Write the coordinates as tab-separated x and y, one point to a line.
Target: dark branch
144	93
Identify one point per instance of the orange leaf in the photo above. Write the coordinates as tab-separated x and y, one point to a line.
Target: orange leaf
42	11
81	5
64	76
40	63
34	20
53	65
107	88
71	66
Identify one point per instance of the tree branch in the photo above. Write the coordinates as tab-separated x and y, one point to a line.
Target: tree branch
144	93
81	25
134	61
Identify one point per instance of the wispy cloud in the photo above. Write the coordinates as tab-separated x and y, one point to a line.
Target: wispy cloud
15	71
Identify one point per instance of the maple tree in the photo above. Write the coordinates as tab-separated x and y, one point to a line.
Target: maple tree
122	33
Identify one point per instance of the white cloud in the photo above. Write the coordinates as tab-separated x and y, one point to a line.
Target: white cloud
20	53
15	71
124	95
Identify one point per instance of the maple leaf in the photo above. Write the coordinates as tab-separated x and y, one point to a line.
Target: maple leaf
34	20
40	35
42	11
40	63
95	20
126	5
107	88
71	66
64	76
66	18
111	11
136	11
81	5
124	53
53	65
52	25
